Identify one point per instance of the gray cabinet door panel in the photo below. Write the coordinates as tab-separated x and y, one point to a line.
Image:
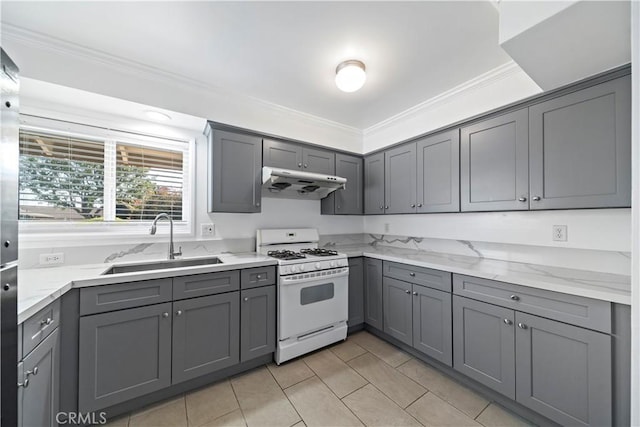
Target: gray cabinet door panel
282	155
483	344
438	173
235	166
205	284
356	291
563	372
580	148
205	335
350	200
494	164
397	303
39	326
257	322
99	299
318	161
373	292
374	184
123	355
419	275
432	323
400	179
258	276
38	402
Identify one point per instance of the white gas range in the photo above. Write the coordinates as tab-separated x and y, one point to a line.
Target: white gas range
313	290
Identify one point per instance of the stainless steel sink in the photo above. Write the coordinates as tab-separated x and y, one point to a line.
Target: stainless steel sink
158	265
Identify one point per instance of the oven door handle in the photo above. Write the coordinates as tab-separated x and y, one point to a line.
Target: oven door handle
287	280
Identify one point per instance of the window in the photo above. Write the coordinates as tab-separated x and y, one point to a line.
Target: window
100	176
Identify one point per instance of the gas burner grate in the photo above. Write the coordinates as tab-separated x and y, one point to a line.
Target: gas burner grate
319	252
286	255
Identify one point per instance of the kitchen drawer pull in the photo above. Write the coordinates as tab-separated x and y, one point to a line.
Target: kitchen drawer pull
258	277
415	293
412	274
536	198
407	291
46	322
522	325
508	322
419	205
522	199
515	297
33	372
413	205
179	313
24	384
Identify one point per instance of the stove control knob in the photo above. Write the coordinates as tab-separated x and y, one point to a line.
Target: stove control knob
293	268
332	263
317	266
301	267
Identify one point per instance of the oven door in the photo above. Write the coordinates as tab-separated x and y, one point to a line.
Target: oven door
312	301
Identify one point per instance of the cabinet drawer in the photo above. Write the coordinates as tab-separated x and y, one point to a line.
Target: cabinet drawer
577	310
256	277
419	275
205	284
99	299
39	326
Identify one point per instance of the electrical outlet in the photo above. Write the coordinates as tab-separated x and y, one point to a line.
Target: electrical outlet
560	233
51	259
208	230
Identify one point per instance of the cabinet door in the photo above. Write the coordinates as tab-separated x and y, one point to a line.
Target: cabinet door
484	344
257	322
123	354
397	302
318	161
235	166
400	179
438	169
350	200
373	292
38	401
580	148
563	372
205	335
494	164
432	323
284	155
374	184
356	291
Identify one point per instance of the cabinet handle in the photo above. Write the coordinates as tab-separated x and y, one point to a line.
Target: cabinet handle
381	207
7	286
257	204
522	325
46	322
508	322
386	207
338	207
415	293
34	372
419	205
522	199
24	384
179	313
412	274
515	297
299	165
258	277
413	205
536	198
407	291
165	314
246	299
306	165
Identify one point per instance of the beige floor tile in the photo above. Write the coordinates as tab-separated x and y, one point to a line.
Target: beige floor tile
496	416
172	413
120	421
385	351
318	406
466	400
347	350
262	401
396	386
336	374
209	403
232	419
430	410
375	409
290	373
299	424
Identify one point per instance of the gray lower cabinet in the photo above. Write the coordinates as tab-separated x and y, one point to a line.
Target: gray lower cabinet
350	200
438	173
432	330
289	155
257	322
373	292
494	164
235	165
374	184
123	354
397	303
580	148
38	385
356	292
205	335
400	179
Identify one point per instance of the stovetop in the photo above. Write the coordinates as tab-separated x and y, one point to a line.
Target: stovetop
286	255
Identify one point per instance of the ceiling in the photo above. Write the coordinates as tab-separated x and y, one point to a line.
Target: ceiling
286	52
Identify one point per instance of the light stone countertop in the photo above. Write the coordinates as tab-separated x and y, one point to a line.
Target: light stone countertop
604	286
38	287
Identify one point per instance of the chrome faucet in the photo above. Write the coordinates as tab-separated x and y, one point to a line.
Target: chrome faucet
172	255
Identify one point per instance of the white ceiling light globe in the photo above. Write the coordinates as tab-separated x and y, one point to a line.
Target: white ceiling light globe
350	75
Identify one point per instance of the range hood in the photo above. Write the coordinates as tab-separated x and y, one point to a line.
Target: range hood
294	184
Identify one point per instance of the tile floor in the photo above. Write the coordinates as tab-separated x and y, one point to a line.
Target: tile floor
362	381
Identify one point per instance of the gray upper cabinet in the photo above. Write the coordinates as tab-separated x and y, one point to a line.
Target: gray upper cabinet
400	179
205	335
432	323
373	292
580	148
494	164
438	173
288	155
257	322
350	200
356	292
235	165
374	184
397	302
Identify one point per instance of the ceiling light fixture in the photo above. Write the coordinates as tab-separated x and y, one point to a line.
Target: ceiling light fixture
350	75
157	115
